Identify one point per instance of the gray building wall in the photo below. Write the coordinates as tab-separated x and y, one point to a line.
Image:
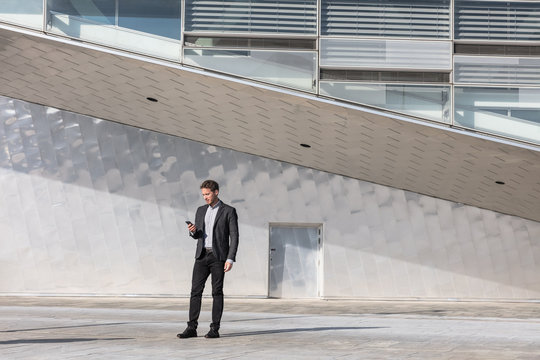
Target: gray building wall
89	206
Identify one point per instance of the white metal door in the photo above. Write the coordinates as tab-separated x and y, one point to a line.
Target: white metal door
294	261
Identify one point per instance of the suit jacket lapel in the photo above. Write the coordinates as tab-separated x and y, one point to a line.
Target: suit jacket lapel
203	219
219	213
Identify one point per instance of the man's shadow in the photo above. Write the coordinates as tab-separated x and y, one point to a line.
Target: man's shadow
281	331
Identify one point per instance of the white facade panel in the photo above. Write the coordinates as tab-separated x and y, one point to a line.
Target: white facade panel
386	54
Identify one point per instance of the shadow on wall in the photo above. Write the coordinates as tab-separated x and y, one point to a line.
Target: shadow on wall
116	197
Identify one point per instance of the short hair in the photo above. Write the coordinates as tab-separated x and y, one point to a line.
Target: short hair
210	184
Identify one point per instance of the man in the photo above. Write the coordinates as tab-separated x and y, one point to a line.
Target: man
215	223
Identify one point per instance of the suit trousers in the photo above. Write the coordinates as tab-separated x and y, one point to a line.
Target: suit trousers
207	265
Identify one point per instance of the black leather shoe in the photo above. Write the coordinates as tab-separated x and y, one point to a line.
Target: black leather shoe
188	333
212	334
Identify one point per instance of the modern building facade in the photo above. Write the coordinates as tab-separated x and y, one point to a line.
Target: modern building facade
373	149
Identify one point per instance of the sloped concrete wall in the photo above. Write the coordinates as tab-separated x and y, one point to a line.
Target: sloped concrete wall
89	206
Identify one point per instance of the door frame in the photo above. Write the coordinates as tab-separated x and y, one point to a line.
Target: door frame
320	253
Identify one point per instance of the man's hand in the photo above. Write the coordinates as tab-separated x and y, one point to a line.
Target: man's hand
228	266
192	228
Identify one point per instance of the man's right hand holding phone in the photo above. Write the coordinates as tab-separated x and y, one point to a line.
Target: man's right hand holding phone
191	227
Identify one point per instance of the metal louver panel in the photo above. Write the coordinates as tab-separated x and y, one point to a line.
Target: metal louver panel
252	16
497	20
388	18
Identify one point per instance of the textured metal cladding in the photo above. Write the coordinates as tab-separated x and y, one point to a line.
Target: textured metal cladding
89	206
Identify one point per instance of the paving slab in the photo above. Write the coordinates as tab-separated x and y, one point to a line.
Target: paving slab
145	328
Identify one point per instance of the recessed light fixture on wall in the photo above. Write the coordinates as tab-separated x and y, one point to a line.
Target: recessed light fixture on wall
305	145
151	99
498	182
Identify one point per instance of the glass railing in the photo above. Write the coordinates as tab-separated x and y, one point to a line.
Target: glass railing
113	36
423	101
510	112
160	18
25	13
294	69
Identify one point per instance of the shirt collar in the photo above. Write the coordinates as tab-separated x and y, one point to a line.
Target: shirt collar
215	206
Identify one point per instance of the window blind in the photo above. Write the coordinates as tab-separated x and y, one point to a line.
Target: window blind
252	16
497	70
386	18
497	20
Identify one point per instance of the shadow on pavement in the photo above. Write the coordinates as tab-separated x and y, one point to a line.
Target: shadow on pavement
57	341
71	327
271	318
279	331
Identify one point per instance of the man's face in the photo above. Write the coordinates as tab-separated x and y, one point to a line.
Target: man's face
211	197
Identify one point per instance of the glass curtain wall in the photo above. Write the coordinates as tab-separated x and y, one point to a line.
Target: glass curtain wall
151	28
496	71
397	55
272	41
22	12
414	37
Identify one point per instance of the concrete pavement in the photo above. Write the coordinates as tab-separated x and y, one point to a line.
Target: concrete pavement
145	328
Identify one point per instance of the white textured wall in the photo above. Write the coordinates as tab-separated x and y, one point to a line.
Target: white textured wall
93	207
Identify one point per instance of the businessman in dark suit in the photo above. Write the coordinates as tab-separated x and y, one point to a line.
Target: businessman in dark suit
216	232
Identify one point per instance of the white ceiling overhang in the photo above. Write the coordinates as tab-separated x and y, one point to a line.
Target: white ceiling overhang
354	141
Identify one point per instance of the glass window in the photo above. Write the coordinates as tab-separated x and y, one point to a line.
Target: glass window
386	18
511	112
26	13
497	20
101	11
158	17
428	102
252	16
295	69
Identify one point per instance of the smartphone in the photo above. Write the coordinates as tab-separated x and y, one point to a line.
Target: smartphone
188	222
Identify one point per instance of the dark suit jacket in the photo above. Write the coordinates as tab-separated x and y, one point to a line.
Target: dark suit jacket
225	227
